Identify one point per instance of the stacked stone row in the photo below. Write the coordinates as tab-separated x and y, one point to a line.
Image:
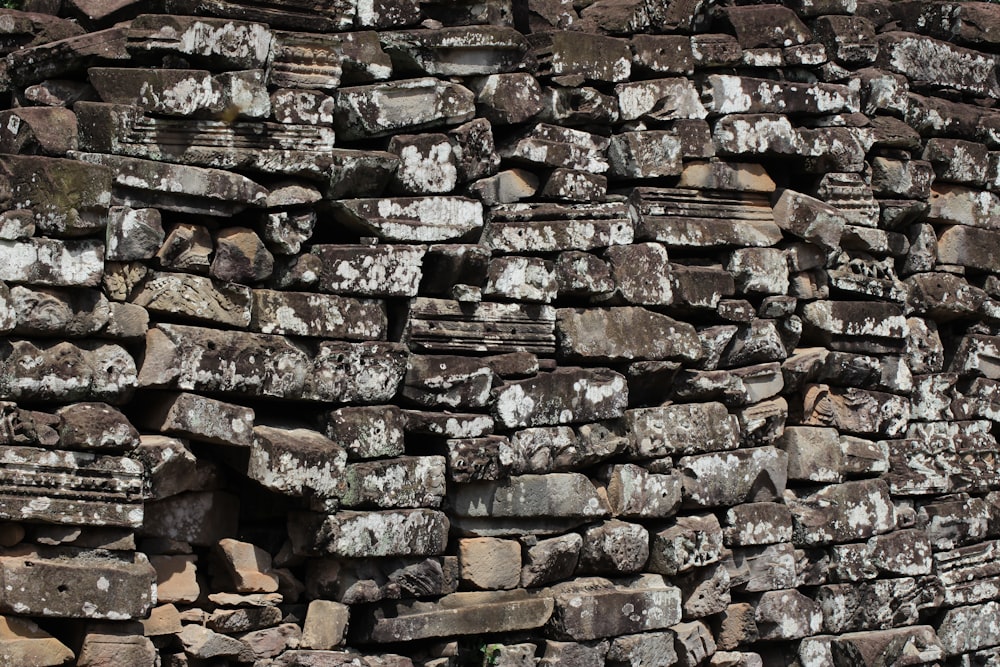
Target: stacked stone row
403	333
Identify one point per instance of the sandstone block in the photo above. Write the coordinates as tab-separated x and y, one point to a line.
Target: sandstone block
624	333
297	462
407	105
490	563
199	418
348	534
569	495
635	493
593	608
681	429
325	625
23	643
614	547
550	560
381	270
405	481
841	512
563	396
688	542
734	477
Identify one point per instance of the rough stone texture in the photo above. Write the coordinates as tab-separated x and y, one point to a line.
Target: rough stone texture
601	333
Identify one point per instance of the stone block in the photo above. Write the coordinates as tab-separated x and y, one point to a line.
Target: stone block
371	534
490	563
635	493
325	625
623	333
594	608
247	566
734	477
405	481
407	105
681	429
564	396
557	495
687	543
841	512
614	547
23	643
176	578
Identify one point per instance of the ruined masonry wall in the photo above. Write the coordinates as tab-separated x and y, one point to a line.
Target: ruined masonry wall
397	333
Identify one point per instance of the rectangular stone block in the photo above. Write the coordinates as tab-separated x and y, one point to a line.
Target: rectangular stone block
381	270
545	227
624	333
221	43
196	297
43	261
564	396
681	429
593	608
318	315
409	105
682	218
569	495
297	462
841	512
445	326
412	219
406	481
370	534
66	372
367	432
72	583
734	477
199	418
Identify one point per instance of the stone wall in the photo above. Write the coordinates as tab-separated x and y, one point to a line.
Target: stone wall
454	332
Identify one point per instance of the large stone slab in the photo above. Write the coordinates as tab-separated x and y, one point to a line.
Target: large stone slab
324	61
71	583
297	462
405	481
841	512
218	43
456	614
624	334
43	261
317	315
76	488
739	94
456	51
544	227
370	534
66	372
173	187
594	608
730	478
66	197
680	217
408	105
380	270
564	396
931	63
196	297
199	418
197	359
681	429
412	219
446	326
557	495
70	313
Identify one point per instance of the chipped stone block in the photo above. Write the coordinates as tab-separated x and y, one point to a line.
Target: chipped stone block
564	396
406	481
325	625
680	217
381	270
841	512
932	63
546	145
490	563
855	411
614	547
593	608
296	462
408	105
551	560
688	542
542	227
569	495
755	524
623	333
23	643
734	477
370	534
681	429
633	492
787	614
523	279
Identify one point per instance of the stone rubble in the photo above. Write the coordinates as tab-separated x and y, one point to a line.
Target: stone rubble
409	333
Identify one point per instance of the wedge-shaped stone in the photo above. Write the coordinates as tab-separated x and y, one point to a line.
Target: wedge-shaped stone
413	219
409	105
381	270
931	63
66	372
564	396
445	326
23	643
730	478
406	481
455	614
547	145
197	297
233	145
196	359
694	218
318	315
686	543
218	43
739	94
77	488
297	462
681	429
810	219
557	495
72	583
841	512
659	99
857	411
624	334
896	646
456	51
370	534
594	608
518	228
66	56
65	197
199	418
307	60
173	187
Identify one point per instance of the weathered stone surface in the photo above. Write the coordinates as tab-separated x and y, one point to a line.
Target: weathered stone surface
692	218
787	614
381	270
88	371
173	187
456	614
563	396
841	512
22	642
199	517
688	542
455	51
44	261
407	105
918	642
446	326
527	279
757	524
633	492
297	462
598	58
554	146
86	580
490	563
569	495
625	333
731	478
551	560
930	63
556	227
409	220
614	547
589	608
681	429
349	534
417	481
646	99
